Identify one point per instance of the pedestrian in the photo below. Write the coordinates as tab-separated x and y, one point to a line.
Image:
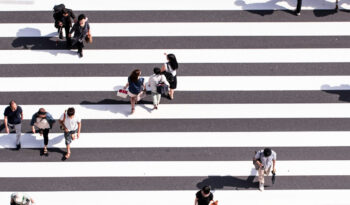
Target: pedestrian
154	80
136	87
21	199
298	9
63	20
336	5
264	160
81	31
71	124
43	121
204	196
170	67
13	116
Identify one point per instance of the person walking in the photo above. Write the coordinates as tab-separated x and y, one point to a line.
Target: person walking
21	199
63	20
170	67
298	9
204	196
264	160
155	80
43	121
13	116
81	31
71	124
136	87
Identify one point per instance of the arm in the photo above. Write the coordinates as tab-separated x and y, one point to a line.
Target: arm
6	125
274	165
196	201
79	128
126	86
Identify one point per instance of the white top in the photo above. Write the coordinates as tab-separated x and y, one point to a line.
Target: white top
71	123
42	123
266	161
154	80
169	69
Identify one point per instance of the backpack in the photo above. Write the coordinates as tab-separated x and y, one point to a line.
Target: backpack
169	77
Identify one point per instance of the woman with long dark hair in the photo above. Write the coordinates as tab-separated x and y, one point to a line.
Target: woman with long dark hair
171	67
136	86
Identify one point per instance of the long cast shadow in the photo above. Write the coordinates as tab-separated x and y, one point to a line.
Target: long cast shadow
342	90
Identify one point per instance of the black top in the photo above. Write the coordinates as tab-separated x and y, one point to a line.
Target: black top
202	200
13	117
80	32
66	21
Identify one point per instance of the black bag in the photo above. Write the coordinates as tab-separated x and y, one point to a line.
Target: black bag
169	77
162	88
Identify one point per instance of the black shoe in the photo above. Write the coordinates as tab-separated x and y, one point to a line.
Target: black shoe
80	54
18	147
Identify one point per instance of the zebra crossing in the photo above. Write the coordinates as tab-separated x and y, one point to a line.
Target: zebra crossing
251	75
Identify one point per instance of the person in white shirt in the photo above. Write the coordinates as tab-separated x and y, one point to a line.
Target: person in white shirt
154	80
21	199
265	159
171	67
71	124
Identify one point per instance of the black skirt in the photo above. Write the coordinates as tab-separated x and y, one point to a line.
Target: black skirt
173	84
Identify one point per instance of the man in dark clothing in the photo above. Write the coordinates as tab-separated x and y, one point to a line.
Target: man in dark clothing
13	116
63	19
81	30
204	196
297	11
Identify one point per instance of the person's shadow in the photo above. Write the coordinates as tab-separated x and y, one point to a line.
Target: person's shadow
262	9
46	43
230	182
342	90
118	101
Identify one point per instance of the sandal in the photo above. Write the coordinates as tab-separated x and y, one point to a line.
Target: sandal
67	155
45	151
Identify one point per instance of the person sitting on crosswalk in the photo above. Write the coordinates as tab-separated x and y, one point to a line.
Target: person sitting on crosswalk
71	124
21	199
264	160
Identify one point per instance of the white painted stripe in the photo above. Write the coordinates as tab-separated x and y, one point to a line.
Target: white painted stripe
225	197
186	139
187	29
183	55
198	111
33	5
185	83
173	169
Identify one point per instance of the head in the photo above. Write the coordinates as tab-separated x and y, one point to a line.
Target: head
206	190
81	19
13	105
42	113
156	70
65	12
172	61
267	152
18	198
71	112
135	74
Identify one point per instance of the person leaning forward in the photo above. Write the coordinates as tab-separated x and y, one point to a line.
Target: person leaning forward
71	124
13	116
264	160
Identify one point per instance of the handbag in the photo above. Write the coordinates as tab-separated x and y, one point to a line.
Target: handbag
122	93
162	88
255	161
64	119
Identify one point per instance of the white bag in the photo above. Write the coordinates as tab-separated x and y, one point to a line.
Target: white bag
122	93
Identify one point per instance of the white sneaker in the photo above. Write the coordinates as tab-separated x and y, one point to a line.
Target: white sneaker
261	186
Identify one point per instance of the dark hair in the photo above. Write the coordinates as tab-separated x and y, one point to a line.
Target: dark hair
135	75
206	189
172	61
42	111
156	70
70	111
12	101
81	17
267	152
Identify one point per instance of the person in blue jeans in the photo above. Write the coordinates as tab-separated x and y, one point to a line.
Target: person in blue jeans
136	87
